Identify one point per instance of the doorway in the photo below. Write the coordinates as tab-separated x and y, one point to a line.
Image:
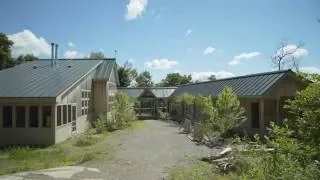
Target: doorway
255	115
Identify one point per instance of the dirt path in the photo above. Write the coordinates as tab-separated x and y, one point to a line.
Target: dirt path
145	153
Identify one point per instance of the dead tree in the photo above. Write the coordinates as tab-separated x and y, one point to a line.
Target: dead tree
285	56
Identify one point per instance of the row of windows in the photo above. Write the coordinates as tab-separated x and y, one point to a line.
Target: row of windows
21	114
66	113
85	94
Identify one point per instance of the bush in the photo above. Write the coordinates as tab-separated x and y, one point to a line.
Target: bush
85	140
101	125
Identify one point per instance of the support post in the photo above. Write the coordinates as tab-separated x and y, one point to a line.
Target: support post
262	129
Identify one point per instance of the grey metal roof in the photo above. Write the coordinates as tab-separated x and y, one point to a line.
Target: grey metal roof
159	92
104	70
249	85
43	81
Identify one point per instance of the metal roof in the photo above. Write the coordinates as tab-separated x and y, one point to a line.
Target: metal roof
39	79
249	85
104	70
159	92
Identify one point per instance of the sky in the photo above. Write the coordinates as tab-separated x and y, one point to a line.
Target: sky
221	37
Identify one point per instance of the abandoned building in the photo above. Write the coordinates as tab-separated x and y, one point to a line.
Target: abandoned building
150	100
45	102
261	95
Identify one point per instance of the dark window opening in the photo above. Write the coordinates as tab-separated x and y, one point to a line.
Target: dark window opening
46	116
33	116
255	115
74	113
7	116
59	115
20	116
64	114
69	113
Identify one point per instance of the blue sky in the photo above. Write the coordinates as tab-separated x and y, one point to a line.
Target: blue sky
225	38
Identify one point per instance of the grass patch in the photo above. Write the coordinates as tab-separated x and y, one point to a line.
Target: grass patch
139	124
74	151
197	171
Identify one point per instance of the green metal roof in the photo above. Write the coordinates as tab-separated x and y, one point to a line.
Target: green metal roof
159	92
40	79
249	85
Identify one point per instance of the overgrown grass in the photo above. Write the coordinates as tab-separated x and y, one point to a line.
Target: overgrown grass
71	152
197	171
138	124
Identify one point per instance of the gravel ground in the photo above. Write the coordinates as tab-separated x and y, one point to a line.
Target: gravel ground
142	154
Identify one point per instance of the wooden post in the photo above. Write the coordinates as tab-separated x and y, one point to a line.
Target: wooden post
262	129
278	112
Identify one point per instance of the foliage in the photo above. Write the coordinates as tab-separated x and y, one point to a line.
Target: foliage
122	112
85	140
6	60
144	79
229	112
26	58
175	79
185	98
212	77
101	125
96	55
304	115
126	74
313	77
164	115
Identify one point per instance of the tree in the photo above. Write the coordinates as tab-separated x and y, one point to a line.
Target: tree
285	56
5	52
144	79
229	111
126	74
175	79
26	58
96	55
212	77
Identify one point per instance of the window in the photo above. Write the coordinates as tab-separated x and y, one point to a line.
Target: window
46	116
59	116
255	115
74	113
64	114
33	116
69	113
20	116
7	116
85	99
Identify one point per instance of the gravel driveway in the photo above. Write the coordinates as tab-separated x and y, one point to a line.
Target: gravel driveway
142	154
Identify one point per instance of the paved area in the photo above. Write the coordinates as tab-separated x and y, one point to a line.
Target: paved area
142	154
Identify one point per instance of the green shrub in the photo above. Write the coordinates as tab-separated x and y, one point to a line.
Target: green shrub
101	125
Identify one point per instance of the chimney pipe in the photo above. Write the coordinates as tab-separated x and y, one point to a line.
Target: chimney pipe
52	53
56	55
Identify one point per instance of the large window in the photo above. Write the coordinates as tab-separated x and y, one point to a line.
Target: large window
7	116
69	113
46	116
64	114
85	102
59	116
20	116
33	116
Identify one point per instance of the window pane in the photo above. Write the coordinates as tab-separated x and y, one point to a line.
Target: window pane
33	116
86	111
64	114
7	116
89	94
69	113
20	116
83	95
58	115
82	103
74	113
82	112
46	116
86	103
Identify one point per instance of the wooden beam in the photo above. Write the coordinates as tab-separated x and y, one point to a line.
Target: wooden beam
262	129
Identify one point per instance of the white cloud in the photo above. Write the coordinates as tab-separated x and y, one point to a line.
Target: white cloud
135	8
310	69
189	31
243	56
209	50
71	54
71	44
161	64
294	51
203	76
26	42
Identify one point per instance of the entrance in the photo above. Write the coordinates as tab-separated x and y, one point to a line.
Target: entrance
255	115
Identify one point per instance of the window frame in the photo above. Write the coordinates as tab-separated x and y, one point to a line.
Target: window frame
42	116
61	105
85	101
